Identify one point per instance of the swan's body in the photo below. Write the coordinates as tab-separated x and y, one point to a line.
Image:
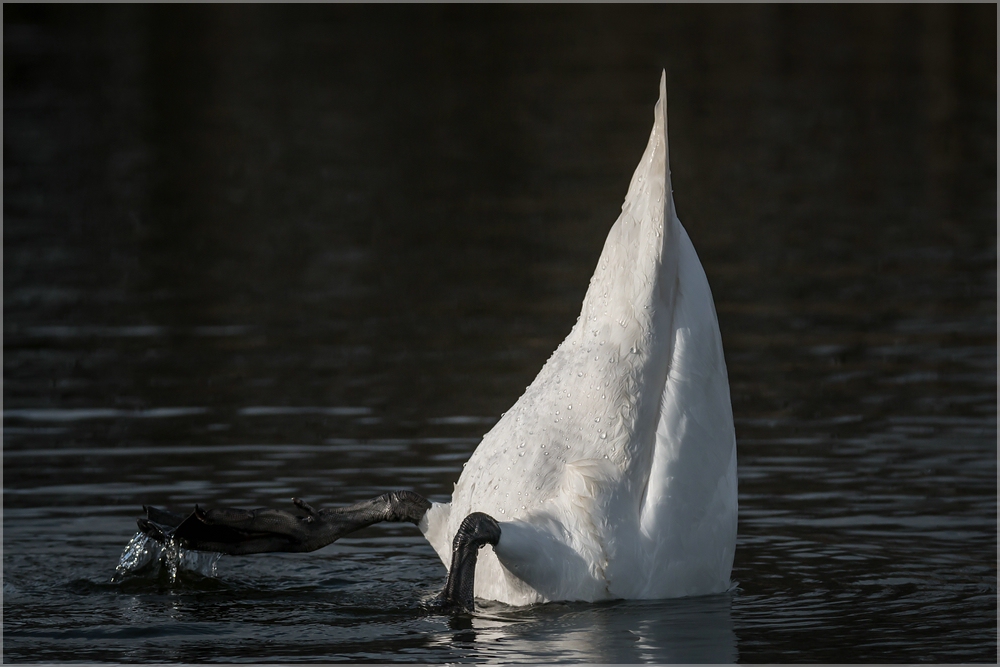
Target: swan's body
614	475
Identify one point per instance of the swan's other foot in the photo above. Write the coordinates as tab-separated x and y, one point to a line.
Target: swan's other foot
239	531
477	530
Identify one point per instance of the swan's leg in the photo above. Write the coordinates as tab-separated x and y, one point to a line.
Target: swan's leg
477	530
237	531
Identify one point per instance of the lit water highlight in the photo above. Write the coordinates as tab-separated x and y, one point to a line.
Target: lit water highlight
147	557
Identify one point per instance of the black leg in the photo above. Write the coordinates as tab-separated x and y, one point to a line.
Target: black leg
237	531
476	531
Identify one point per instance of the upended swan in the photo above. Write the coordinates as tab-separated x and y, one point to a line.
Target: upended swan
614	474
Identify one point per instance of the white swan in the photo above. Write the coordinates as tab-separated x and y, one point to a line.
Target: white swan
613	476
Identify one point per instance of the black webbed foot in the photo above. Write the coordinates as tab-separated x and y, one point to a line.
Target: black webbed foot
240	531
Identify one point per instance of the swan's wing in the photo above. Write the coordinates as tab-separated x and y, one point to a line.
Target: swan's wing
687	536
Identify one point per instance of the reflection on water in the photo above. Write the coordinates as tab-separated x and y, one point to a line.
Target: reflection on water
696	630
256	253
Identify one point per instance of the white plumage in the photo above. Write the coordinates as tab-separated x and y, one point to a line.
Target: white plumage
614	475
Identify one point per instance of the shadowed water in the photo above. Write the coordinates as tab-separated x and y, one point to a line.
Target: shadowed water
263	252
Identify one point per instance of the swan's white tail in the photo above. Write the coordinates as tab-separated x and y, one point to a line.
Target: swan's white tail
614	475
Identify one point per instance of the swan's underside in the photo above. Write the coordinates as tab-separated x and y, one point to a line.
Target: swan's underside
613	476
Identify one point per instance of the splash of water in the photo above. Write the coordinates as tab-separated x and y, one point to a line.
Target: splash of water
145	556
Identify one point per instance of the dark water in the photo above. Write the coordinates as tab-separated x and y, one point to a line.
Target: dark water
253	253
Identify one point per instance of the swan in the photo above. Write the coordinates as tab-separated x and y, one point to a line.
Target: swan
612	477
